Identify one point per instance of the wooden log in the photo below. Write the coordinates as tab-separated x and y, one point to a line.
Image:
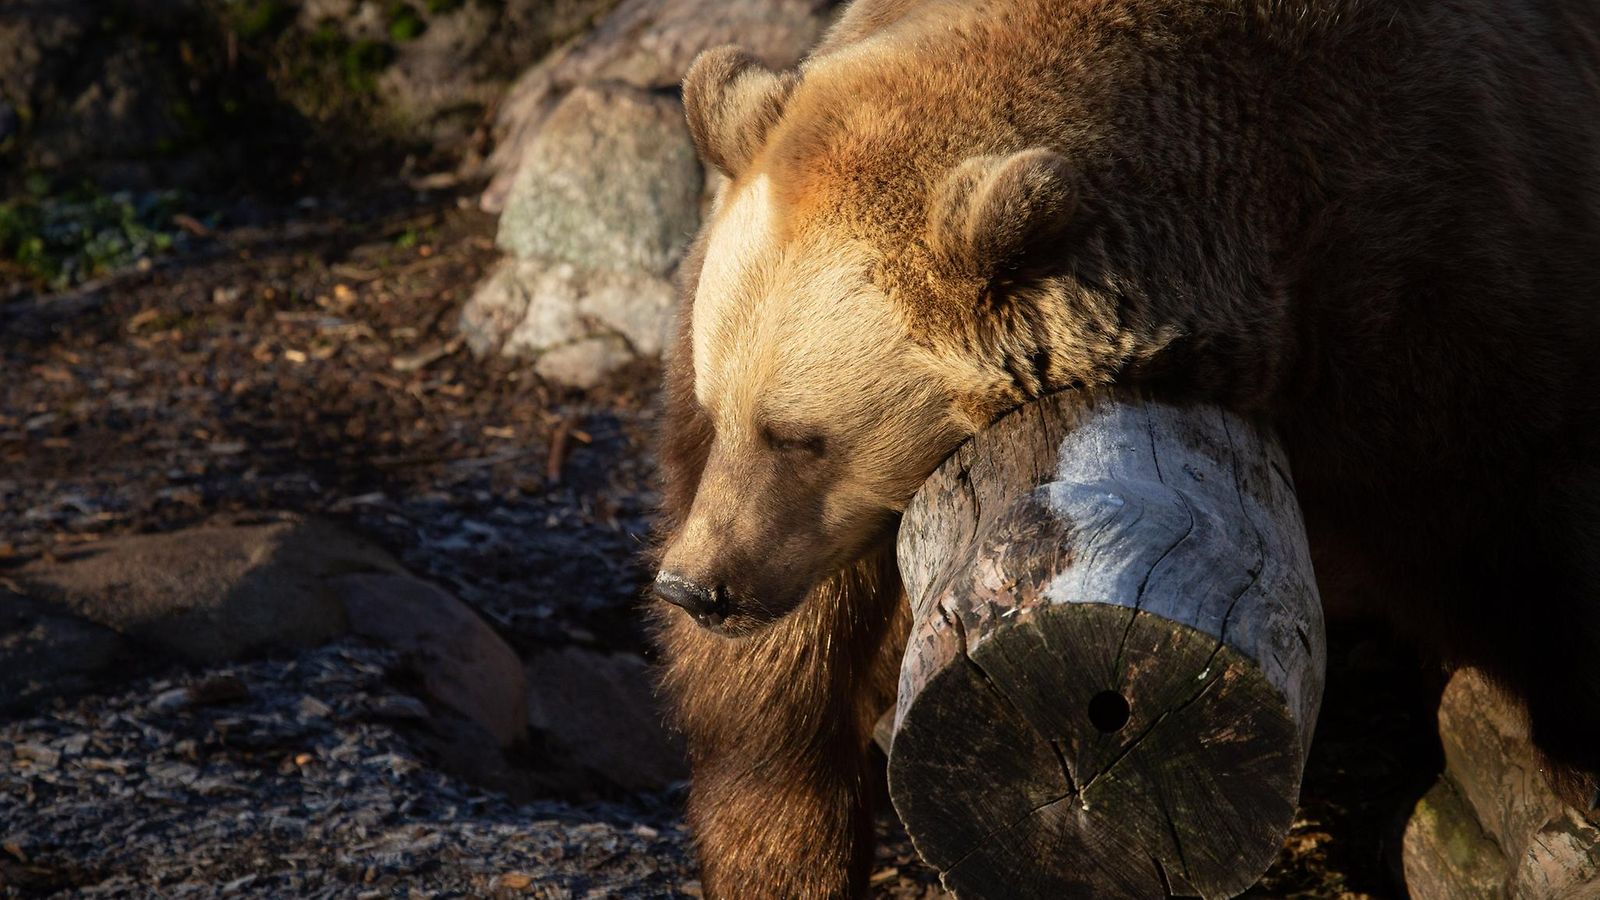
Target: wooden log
1446	853
1117	655
1492	827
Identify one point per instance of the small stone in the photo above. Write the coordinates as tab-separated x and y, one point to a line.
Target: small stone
170	701
39	754
514	881
399	706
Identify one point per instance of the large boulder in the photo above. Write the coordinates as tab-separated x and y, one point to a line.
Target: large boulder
46	652
648	44
610	183
212	593
599	186
461	663
596	717
594	227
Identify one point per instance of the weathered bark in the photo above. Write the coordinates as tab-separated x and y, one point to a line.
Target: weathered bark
1117	655
1492	827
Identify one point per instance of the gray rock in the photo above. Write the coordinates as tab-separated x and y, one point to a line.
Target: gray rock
551	317
639	308
460	661
498	306
584	363
611	182
597	714
605	202
212	593
46	652
438	71
529	308
648	44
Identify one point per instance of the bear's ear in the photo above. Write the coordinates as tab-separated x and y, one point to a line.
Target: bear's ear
994	215
731	101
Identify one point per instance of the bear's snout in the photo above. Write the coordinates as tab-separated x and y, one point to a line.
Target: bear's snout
708	604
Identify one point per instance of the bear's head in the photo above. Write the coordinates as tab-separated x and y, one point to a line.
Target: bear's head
859	312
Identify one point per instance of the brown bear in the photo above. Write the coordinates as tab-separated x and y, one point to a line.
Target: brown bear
1375	223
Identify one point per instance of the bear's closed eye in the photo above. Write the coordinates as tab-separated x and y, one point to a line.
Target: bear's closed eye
785	439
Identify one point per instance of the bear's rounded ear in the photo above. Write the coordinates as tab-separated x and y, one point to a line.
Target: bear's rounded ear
994	215
731	101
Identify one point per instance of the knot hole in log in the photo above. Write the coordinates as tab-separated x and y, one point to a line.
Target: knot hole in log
1108	711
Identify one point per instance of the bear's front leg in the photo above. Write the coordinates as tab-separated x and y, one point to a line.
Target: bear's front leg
778	725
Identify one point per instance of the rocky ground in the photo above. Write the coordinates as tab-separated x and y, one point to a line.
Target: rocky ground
312	368
292	778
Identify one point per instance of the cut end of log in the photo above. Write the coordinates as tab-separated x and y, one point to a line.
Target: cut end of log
1116	659
1074	791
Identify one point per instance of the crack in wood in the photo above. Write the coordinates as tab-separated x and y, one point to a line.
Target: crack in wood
1177	842
1138	598
961	638
1150	729
964	475
1261	539
984	841
1071	791
1061	760
1161	873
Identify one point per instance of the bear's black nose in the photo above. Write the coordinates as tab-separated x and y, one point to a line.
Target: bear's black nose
698	600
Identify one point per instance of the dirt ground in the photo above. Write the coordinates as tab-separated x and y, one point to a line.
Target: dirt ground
312	365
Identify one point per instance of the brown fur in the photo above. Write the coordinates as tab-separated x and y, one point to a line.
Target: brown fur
1376	223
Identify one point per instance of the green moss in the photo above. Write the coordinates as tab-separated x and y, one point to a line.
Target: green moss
438	7
326	40
405	23
261	18
362	61
61	239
